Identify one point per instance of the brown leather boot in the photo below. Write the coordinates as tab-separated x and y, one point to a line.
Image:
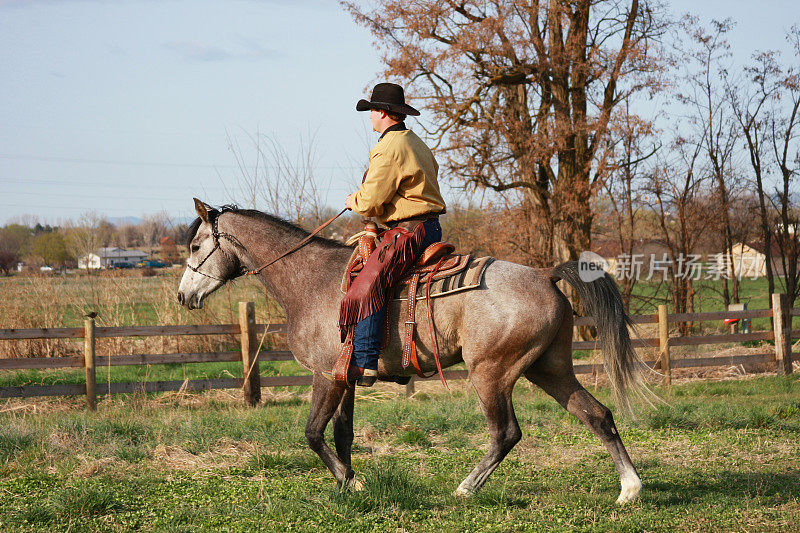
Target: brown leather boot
364	377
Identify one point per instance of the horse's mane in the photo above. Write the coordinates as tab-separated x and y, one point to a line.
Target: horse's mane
213	213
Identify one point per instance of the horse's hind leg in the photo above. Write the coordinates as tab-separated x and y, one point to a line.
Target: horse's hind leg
325	399
567	391
503	430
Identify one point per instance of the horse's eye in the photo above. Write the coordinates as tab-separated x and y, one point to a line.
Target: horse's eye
195	247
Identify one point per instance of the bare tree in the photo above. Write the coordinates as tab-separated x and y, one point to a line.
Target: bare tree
703	93
126	236
785	140
767	105
522	93
27	219
269	176
631	145
751	99
676	198
152	228
91	231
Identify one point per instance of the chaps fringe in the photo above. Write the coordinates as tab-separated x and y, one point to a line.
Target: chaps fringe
385	267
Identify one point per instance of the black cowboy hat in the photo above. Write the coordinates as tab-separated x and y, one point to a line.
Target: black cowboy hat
387	96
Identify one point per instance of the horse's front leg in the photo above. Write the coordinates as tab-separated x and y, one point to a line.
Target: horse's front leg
343	433
343	426
325	399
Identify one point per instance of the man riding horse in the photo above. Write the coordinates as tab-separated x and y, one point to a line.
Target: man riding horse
400	190
519	324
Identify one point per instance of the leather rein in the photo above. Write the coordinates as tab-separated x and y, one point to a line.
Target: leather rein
217	235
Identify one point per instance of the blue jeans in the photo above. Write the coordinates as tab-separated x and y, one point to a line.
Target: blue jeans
368	336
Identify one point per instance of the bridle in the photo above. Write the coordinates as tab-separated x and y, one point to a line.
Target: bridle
217	235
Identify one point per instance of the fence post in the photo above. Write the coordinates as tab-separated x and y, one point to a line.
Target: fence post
410	387
734	326
663	344
783	328
252	376
88	355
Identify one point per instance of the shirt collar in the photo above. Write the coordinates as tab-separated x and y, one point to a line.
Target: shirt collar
400	126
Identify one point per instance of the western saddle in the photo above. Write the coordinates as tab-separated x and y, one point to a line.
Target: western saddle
437	261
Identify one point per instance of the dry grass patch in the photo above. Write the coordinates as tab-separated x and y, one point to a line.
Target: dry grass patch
224	455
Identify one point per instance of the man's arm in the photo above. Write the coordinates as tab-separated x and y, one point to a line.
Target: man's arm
380	185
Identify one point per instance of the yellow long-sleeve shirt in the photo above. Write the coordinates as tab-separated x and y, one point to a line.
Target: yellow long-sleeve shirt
401	181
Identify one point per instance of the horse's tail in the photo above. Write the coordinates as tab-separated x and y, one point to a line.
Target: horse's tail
602	300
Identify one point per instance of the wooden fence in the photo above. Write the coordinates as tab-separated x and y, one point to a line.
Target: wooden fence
252	382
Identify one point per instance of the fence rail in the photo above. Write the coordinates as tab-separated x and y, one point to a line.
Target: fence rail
133	331
251	382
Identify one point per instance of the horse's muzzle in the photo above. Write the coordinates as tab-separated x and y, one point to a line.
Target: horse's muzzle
192	302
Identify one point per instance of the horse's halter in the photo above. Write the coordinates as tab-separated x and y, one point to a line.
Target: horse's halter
217	235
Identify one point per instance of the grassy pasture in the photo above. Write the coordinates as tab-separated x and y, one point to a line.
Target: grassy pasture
708	298
143	373
122	299
717	456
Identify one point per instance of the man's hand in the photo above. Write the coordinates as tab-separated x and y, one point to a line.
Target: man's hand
348	202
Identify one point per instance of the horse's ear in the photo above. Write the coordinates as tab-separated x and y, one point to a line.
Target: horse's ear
202	209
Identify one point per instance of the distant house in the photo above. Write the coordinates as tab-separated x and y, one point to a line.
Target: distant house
757	249
111	257
748	262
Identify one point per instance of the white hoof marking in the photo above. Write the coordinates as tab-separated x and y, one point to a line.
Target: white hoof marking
463	492
630	491
356	485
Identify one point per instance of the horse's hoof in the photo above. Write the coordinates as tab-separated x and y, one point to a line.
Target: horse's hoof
629	493
462	492
355	485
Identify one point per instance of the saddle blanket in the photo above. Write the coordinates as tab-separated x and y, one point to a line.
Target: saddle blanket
469	278
463	279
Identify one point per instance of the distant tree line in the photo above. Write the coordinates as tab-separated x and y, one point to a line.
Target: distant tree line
61	246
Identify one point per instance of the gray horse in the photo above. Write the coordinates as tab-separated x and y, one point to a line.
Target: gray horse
518	323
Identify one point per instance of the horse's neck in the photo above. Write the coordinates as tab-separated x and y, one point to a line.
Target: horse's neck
313	269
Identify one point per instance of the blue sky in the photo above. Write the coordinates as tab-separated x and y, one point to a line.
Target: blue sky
126	107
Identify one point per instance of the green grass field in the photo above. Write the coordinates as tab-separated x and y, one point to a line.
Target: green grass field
708	299
139	373
718	456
